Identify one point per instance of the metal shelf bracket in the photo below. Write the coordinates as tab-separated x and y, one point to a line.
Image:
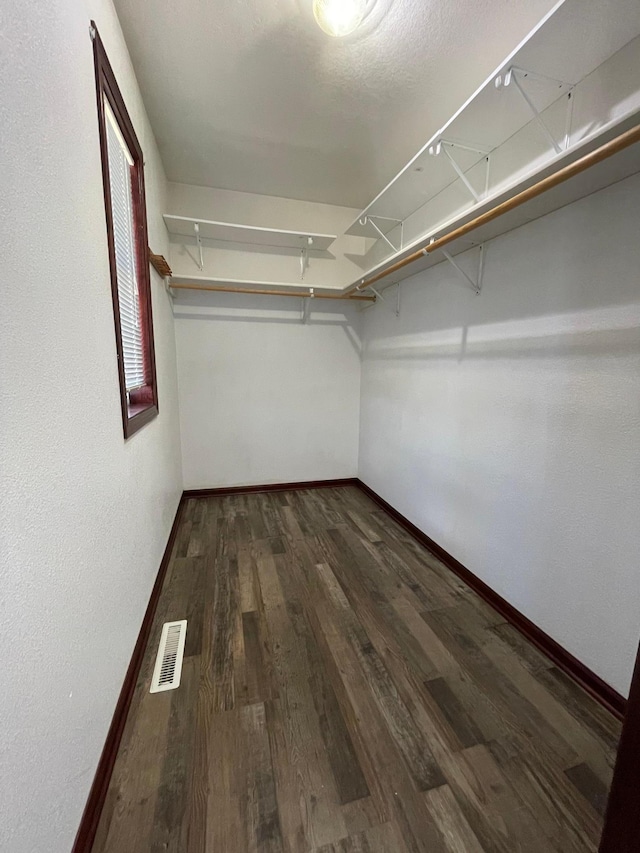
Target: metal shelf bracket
476	284
446	146
370	220
168	288
304	257
196	228
517	76
306	306
380	297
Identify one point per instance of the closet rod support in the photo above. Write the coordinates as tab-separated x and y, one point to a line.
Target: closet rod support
380	297
476	285
306	306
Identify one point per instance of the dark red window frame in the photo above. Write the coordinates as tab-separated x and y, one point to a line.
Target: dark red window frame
141	406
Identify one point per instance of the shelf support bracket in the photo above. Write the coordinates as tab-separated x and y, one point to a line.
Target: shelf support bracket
196	228
370	220
379	296
306	306
445	146
304	257
513	75
476	284
168	288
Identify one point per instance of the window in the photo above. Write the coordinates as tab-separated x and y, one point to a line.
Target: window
123	180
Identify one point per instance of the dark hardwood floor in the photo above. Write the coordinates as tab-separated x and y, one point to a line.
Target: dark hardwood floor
343	692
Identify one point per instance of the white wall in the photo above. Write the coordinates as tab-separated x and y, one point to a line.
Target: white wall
507	426
333	269
84	516
265	398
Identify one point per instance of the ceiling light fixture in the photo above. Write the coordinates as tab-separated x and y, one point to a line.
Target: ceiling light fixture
339	17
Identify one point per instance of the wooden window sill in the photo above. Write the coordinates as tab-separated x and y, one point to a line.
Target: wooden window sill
139	415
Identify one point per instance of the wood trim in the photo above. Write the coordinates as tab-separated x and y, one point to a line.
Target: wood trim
160	264
270	487
137	420
98	792
564	660
290	294
620	833
107	87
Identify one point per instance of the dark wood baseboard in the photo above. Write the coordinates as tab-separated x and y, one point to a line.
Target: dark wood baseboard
97	795
564	660
620	833
269	487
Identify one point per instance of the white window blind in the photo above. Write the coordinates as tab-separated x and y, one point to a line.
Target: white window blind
120	166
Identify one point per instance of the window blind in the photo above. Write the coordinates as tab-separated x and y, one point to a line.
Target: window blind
120	166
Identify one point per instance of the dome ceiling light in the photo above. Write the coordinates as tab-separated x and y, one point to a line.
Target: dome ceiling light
339	17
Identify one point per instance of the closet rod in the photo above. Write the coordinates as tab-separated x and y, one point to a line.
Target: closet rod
293	294
614	146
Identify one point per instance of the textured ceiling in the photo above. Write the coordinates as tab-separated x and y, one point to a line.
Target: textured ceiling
251	95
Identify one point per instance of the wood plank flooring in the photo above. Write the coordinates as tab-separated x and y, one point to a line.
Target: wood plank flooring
343	692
